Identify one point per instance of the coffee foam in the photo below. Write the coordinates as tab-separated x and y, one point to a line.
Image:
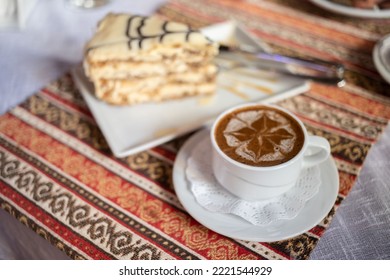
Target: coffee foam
260	136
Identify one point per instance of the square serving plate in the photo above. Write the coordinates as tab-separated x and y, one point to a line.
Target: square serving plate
131	129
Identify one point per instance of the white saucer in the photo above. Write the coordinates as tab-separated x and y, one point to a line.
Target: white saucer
381	55
232	226
352	11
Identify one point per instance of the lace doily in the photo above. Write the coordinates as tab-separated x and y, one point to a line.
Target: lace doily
212	196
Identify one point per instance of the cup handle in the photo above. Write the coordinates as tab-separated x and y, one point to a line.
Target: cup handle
317	152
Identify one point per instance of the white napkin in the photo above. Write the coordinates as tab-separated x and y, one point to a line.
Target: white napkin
212	196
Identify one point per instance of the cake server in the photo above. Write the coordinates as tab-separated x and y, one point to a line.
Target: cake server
317	70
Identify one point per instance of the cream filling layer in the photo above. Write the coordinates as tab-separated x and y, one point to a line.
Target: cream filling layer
151	89
184	51
132	70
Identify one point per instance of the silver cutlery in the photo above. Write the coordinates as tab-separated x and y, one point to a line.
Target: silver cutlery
317	70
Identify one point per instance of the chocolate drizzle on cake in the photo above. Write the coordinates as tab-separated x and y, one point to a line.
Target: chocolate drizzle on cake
141	36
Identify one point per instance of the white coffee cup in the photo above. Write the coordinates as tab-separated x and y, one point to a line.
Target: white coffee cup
254	183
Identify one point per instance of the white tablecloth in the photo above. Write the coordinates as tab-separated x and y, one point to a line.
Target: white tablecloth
52	44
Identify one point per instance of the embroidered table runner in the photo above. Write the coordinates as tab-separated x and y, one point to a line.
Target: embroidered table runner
59	178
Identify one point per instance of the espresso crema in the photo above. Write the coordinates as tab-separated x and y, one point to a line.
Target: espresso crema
259	136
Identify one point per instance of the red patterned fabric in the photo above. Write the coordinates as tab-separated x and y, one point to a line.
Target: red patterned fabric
59	178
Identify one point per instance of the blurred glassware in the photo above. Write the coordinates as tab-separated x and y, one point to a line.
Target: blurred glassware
381	56
87	4
8	13
14	13
351	10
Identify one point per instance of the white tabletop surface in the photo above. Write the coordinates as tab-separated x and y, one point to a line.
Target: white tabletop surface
51	44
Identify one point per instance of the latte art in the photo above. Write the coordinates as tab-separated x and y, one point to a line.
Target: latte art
259	136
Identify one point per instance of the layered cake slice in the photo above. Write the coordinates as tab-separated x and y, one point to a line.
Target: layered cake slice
134	59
